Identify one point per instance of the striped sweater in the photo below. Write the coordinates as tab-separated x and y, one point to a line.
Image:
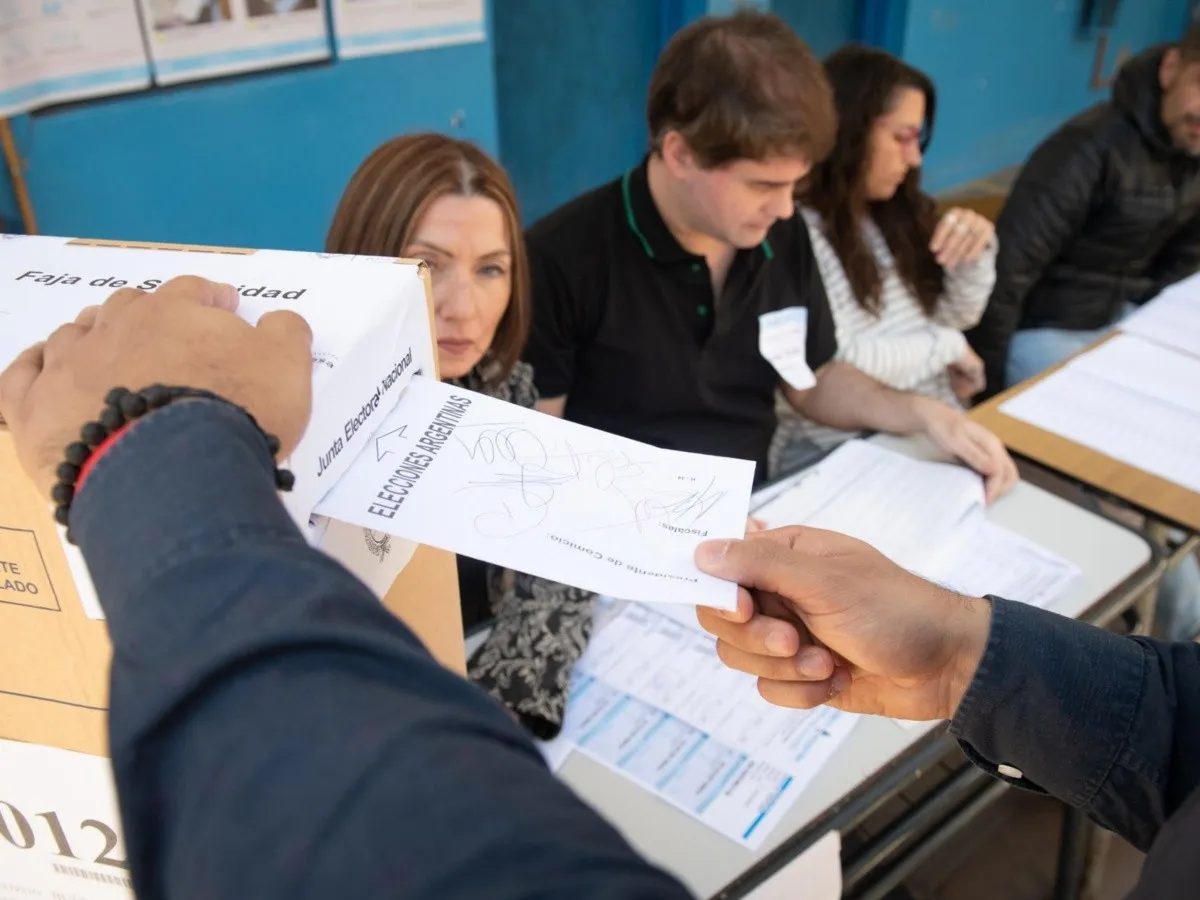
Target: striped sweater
901	347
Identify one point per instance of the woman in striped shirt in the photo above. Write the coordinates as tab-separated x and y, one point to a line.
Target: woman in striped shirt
903	282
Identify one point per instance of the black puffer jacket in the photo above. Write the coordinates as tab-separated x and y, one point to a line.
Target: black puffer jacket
1105	212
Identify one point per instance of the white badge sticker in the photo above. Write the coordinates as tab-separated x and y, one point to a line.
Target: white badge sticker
782	336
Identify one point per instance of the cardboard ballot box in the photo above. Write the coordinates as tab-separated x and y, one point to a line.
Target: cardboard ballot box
372	324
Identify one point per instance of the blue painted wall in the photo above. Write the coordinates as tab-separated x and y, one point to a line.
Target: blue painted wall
725	7
258	160
573	79
825	25
1009	72
9	219
261	159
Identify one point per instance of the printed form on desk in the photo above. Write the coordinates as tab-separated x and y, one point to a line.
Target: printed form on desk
1128	399
928	517
651	700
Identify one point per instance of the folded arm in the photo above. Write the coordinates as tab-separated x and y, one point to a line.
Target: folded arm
275	732
967	289
904	361
1107	724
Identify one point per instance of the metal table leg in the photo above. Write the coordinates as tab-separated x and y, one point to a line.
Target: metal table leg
1083	848
1072	855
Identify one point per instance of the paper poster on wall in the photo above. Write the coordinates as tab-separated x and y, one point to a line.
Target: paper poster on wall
57	50
368	27
195	39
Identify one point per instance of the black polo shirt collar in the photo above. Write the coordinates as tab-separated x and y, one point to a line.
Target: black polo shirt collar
627	327
646	222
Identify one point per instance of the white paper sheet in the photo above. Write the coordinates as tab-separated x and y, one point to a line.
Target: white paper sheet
725	789
783	342
51	52
1138	365
816	874
1125	424
533	493
81	576
374	557
370	322
61	810
367	27
928	517
193	39
1171	319
371	333
900	506
989	559
675	668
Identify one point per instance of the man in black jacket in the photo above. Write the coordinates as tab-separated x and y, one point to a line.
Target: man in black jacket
1103	216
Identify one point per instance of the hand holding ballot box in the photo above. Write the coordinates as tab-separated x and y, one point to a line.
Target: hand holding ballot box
371	320
391	459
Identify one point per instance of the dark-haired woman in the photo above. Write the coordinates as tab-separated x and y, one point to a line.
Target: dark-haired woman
903	282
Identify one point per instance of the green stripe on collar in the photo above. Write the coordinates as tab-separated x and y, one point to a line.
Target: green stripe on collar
629	217
768	252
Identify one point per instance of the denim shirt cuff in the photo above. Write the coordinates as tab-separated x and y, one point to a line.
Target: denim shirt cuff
1052	703
147	504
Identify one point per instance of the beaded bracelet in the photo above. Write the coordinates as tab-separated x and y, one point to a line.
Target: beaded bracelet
121	408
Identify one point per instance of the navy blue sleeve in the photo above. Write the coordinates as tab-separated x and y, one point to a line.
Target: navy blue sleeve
1105	723
275	732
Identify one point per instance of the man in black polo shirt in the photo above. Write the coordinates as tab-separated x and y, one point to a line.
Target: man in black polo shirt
671	304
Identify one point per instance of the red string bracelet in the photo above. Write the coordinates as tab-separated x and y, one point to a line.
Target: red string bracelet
90	462
122	408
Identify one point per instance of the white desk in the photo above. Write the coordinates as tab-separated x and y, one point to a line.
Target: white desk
706	862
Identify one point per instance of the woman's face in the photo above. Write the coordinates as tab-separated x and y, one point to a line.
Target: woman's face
465	243
895	144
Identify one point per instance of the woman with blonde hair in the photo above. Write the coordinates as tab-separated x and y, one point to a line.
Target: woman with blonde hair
445	201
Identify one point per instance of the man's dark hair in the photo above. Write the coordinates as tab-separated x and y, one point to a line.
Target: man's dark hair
1189	47
865	82
741	87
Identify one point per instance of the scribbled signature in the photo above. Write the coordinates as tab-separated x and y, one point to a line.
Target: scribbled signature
524	479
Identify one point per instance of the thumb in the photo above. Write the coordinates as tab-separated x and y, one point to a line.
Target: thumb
289	329
770	562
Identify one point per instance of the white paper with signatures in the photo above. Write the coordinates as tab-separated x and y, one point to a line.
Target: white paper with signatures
536	494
